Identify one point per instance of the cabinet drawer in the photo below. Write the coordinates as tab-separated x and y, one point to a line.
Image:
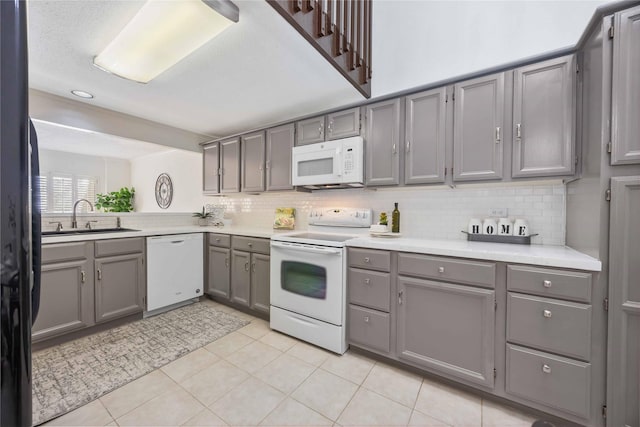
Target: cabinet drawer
250	244
573	285
369	288
62	252
448	269
119	246
220	240
551	380
370	259
369	328
552	325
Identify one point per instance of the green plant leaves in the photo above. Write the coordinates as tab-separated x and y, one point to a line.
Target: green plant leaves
116	201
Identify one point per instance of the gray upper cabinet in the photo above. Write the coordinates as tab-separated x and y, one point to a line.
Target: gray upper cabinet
310	131
383	148
230	166
240	277
119	286
625	126
253	153
425	137
260	274
211	169
624	303
219	270
479	129
447	328
544	119
66	293
343	124
280	141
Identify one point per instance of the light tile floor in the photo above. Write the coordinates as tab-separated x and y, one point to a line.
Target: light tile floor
256	376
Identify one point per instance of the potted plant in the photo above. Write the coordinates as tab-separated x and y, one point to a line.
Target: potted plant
203	217
116	201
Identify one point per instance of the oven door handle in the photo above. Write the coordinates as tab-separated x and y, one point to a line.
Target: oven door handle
305	248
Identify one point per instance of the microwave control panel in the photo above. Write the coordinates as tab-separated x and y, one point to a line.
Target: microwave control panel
352	158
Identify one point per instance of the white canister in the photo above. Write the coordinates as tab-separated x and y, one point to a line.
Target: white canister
475	226
505	227
521	228
489	226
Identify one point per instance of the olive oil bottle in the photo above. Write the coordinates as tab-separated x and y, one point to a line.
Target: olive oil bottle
395	219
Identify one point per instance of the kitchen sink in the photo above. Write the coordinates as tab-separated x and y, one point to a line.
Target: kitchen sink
86	231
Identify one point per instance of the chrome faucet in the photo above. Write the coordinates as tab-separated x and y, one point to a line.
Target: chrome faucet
74	222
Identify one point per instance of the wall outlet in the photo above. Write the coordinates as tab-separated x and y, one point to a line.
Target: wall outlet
499	212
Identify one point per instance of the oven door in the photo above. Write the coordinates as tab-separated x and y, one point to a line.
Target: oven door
317	164
308	280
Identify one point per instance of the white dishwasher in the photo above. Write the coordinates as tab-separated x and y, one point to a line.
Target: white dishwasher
174	269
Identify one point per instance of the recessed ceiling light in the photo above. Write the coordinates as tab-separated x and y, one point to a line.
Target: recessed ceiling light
82	94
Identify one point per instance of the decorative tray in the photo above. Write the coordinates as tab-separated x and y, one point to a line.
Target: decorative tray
493	238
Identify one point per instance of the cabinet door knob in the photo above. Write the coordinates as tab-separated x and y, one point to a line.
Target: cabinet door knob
246	266
518	131
440	269
83	276
393	149
546	369
546	313
497	134
366	319
546	283
400	297
366	259
226	262
253	267
367	281
250	244
217	239
408	146
99	274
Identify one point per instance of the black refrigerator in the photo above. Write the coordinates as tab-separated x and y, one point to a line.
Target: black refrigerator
20	226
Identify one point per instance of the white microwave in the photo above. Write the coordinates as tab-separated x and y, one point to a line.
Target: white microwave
329	164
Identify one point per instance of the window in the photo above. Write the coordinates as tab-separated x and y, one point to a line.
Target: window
58	192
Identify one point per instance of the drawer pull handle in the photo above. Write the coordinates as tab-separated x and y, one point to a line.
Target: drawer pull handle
546	313
366	259
440	269
366	319
546	283
250	244
546	369
217	239
367	281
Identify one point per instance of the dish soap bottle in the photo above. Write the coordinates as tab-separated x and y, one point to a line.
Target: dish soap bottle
395	219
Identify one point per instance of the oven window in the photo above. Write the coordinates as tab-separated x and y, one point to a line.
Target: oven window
316	167
304	279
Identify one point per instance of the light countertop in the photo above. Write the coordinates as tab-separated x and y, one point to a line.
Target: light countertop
550	256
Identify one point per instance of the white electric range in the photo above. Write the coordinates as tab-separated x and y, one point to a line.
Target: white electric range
309	275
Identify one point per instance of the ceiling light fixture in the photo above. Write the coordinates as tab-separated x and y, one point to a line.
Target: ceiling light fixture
82	94
161	34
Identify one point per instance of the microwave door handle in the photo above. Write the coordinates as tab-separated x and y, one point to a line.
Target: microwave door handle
300	248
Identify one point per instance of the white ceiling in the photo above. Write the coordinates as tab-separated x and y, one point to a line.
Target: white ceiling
52	136
257	72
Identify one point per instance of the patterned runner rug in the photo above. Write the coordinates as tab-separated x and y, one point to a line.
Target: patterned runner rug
72	374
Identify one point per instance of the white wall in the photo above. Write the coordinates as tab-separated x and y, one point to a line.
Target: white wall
185	170
416	43
112	173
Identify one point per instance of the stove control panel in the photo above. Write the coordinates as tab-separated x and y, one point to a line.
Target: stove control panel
341	217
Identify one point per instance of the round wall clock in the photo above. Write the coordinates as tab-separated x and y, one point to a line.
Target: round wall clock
164	191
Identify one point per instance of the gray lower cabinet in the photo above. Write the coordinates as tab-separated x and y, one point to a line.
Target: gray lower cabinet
280	141
241	277
623	394
252	169
211	169
343	124
383	143
260	275
544	118
310	131
478	134
66	296
119	286
625	105
219	272
447	328
119	278
425	137
230	165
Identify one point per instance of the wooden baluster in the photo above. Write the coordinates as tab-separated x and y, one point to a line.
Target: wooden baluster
352	36
329	18
318	19
308	5
338	30
358	50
